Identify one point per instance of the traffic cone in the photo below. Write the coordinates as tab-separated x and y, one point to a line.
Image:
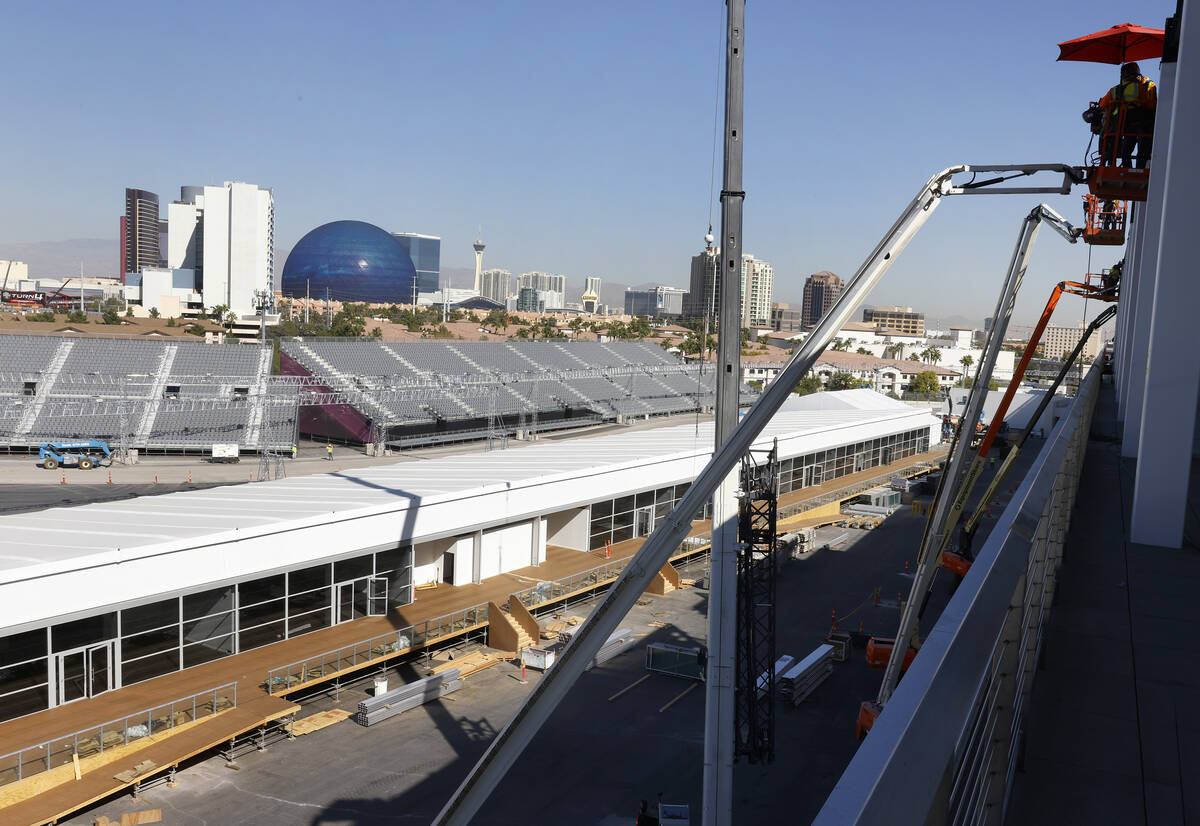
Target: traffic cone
189	477
110	477
906	566
833	619
156	478
64	478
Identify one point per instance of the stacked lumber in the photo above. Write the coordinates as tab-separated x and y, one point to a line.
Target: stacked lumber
318	721
781	665
552	629
803	678
408	696
468	664
620	642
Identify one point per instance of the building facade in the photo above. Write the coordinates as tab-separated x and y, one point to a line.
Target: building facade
227	235
495	285
426	254
552	288
1057	342
139	232
820	291
590	301
704	283
901	319
786	319
655	302
758	286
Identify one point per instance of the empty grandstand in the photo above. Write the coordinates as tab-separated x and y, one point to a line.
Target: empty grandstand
412	393
148	395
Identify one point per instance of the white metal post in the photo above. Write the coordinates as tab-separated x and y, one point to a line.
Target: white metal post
1146	271
1160	490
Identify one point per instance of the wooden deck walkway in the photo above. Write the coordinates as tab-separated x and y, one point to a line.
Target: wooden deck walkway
250	669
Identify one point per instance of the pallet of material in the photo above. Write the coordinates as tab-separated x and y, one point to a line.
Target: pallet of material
781	665
408	696
468	664
617	644
802	678
318	721
552	629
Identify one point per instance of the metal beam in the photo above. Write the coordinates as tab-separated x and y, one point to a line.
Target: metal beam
717	805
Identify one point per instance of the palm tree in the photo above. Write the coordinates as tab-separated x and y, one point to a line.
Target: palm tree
966	361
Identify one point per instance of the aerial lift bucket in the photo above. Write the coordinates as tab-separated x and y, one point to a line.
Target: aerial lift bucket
1105	221
1118	183
879	651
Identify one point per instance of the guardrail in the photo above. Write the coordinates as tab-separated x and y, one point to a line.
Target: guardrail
945	748
553	590
399	641
59	751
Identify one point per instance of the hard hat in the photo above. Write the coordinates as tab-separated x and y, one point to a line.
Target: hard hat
1130	69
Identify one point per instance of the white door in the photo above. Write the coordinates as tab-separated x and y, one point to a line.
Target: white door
84	672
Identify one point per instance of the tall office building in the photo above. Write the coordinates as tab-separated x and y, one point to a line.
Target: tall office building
591	294
1059	341
820	291
139	232
552	289
227	235
900	319
426	254
495	285
758	283
703	286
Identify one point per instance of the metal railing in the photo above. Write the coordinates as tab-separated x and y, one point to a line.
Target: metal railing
59	751
554	590
945	748
331	663
788	511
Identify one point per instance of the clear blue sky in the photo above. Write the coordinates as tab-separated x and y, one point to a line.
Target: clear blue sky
579	135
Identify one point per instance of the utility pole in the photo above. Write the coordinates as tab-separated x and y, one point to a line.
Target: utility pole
722	601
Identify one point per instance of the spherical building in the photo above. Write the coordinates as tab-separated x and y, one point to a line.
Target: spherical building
354	260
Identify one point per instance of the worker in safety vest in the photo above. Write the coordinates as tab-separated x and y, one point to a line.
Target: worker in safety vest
1127	110
328	452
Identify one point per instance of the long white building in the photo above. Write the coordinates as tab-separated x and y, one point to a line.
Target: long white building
158	584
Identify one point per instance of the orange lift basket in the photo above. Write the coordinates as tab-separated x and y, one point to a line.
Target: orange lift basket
879	651
1105	224
1111	182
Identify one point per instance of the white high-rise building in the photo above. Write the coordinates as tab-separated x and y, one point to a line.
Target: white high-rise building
227	235
591	294
758	284
496	285
554	287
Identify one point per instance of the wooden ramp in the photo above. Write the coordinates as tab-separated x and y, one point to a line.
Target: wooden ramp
60	801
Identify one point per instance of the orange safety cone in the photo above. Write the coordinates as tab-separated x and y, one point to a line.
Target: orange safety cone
900	598
833	619
110	477
906	566
189	477
156	478
877	597
64	478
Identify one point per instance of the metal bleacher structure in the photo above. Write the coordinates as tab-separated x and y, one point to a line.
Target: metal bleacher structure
413	393
149	395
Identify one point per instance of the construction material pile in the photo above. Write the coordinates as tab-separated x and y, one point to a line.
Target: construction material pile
802	679
407	697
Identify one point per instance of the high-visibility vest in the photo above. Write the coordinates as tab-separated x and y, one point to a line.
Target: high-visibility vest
1137	92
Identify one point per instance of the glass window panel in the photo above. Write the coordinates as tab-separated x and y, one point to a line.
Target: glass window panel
597	541
153	666
305	623
680	490
622	534
663	508
16	648
308	579
208	602
82	632
261	590
263	612
303	603
664	495
151	642
262	635
602	524
394	559
207	651
643	499
602	508
17	677
624	503
622	520
24	702
356	568
145	617
206	627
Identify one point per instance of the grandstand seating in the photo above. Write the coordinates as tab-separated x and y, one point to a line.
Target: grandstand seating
466	385
148	394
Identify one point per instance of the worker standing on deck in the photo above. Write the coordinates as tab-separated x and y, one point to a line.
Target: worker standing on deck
293	451
329	451
1135	97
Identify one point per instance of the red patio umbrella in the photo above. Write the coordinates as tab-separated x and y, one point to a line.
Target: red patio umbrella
1120	44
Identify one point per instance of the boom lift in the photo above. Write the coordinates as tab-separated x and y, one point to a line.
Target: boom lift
961	473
